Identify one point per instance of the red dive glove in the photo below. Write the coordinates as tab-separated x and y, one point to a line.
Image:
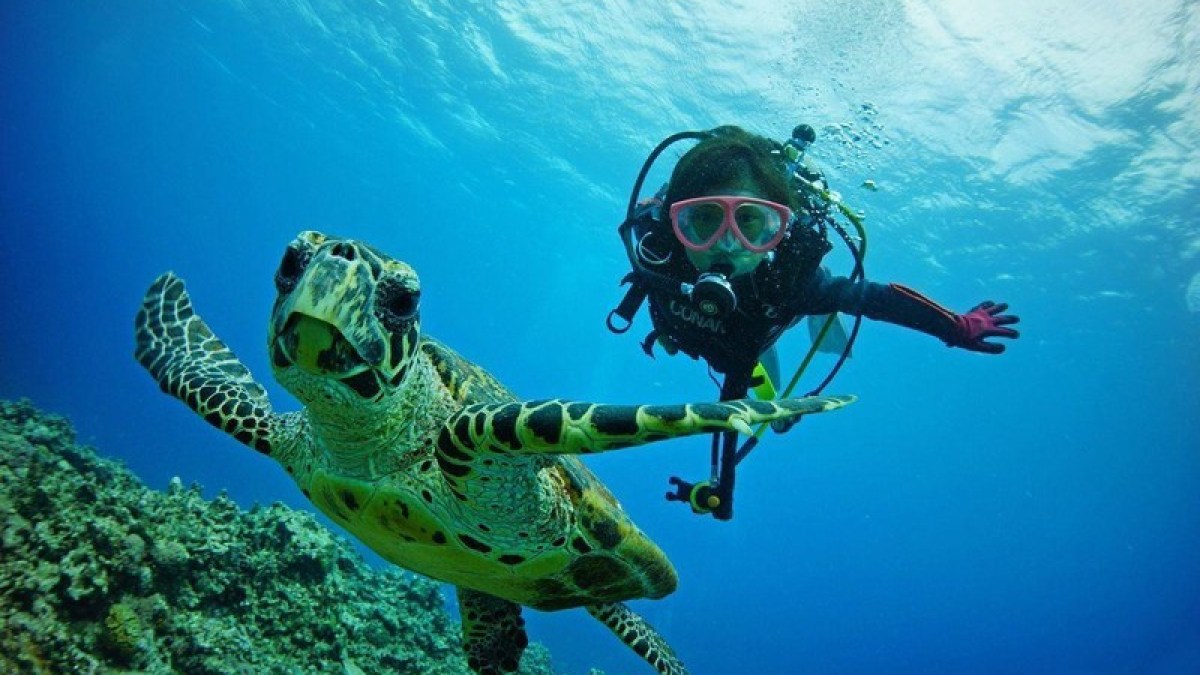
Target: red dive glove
983	321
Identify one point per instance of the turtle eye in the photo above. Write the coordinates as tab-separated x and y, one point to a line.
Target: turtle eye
294	262
396	305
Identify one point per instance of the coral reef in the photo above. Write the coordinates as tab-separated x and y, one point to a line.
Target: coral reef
98	573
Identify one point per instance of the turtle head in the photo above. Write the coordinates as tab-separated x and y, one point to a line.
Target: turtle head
345	325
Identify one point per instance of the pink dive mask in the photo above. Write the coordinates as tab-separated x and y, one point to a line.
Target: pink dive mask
757	223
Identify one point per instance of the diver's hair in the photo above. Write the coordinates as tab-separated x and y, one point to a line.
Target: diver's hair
730	155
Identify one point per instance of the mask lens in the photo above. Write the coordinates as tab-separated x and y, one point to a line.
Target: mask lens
758	224
701	222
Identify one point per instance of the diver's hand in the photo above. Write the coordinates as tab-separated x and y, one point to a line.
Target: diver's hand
984	321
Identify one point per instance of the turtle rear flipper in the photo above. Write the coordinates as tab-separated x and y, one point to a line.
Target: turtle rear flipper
493	632
190	363
639	635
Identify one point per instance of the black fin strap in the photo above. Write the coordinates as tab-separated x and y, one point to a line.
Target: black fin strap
648	343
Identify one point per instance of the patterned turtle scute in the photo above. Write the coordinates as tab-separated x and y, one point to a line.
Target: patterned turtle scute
427	458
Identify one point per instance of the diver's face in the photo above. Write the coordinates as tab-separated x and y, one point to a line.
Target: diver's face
728	250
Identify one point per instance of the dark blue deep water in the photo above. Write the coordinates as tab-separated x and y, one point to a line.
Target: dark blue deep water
1036	512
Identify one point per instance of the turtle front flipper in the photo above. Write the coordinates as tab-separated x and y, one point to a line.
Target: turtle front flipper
564	427
194	366
639	635
493	632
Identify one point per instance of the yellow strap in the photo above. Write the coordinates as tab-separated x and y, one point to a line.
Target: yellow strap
857	220
765	389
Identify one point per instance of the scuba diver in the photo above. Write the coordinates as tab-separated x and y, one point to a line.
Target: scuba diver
729	252
795	151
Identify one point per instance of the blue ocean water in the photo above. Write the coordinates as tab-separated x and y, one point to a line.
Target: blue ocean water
1037	512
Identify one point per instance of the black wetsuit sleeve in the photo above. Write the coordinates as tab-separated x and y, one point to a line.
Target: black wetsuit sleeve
892	303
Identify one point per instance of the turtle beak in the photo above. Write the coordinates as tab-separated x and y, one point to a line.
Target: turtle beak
325	325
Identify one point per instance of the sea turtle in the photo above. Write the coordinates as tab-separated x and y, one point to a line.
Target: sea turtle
427	458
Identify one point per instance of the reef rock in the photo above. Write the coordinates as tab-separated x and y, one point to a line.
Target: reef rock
99	573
